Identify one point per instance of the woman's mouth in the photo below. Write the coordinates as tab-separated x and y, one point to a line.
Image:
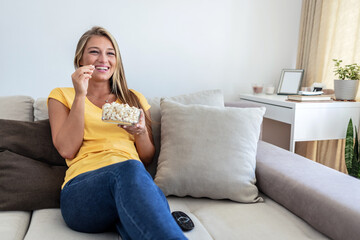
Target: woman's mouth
102	68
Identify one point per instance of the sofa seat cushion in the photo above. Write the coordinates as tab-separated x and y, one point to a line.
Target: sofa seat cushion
14	224
225	219
213	219
49	224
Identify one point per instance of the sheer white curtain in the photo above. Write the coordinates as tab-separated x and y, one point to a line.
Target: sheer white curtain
329	29
339	37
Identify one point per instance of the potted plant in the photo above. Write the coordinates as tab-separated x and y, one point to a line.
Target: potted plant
352	151
347	85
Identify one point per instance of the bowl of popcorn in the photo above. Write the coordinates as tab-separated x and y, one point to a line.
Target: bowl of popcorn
121	114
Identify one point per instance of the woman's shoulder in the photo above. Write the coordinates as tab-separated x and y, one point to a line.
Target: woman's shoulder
136	92
62	94
64	91
142	99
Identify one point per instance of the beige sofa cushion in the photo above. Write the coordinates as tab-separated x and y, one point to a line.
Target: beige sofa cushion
17	108
49	224
14	224
224	219
213	219
208	151
40	109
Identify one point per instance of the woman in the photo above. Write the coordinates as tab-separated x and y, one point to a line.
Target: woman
106	184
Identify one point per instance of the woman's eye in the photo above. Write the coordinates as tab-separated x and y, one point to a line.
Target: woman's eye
94	52
111	53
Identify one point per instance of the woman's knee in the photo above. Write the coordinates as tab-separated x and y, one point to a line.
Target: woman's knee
133	171
134	166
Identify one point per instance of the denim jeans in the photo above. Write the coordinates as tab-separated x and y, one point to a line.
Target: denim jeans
122	195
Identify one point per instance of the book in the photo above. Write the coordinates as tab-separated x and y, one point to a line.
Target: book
304	98
310	93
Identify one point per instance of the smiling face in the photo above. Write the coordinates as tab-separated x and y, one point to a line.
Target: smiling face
100	52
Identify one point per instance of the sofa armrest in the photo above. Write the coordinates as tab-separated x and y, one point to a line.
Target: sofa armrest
242	104
325	198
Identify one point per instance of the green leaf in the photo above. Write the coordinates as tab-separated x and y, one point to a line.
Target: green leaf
355	169
355	163
349	71
358	157
349	146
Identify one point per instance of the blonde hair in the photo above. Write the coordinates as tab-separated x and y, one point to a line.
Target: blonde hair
118	85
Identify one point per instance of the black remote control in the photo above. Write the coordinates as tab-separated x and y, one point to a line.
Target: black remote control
183	220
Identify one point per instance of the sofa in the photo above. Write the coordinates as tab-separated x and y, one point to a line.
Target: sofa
295	198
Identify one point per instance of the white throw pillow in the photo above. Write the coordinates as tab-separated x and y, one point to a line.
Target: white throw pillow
209	151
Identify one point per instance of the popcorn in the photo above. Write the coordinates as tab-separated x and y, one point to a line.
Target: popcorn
120	113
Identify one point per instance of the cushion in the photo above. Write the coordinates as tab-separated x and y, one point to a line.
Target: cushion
40	109
30	139
228	220
17	108
14	224
49	224
207	97
32	171
209	151
28	184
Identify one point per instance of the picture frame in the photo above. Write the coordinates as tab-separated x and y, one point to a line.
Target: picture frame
290	81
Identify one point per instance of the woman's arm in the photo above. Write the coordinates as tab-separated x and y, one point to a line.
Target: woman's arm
143	143
67	126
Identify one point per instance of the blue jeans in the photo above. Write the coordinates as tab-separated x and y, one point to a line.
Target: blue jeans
122	195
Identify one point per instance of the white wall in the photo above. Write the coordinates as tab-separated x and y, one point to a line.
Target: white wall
168	47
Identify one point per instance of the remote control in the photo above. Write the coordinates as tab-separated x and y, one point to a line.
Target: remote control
183	220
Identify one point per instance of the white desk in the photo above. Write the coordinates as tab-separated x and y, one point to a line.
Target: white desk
307	121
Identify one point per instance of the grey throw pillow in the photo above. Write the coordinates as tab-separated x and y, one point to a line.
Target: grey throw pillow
209	151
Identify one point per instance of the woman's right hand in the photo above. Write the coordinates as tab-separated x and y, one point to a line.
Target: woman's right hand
80	79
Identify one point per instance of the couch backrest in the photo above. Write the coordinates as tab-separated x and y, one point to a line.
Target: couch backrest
40	109
17	108
27	109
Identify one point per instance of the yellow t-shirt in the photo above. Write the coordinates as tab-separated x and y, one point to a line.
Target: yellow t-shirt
104	143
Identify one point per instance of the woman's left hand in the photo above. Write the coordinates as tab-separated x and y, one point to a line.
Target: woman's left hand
137	129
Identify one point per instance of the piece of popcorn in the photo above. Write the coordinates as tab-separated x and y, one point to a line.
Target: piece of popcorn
120	113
